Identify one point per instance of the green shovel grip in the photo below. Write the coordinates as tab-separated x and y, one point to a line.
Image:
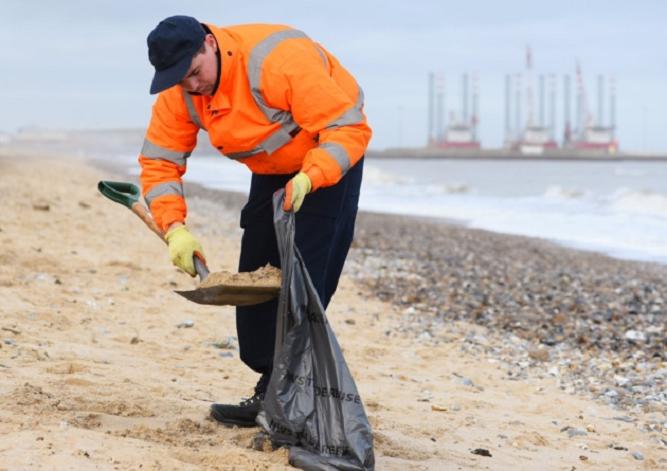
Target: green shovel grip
124	193
128	195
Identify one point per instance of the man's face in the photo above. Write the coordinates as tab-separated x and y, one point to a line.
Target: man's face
202	75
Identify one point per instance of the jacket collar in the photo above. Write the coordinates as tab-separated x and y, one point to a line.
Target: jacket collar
229	56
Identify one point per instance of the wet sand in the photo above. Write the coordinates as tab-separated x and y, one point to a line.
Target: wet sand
103	367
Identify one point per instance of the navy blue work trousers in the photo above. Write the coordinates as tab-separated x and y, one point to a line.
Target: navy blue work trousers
324	231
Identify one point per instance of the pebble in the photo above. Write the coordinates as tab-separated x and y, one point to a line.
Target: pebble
637	455
425	396
123	280
635	335
601	317
573	432
41	206
228	343
261	442
621	381
481	452
45	277
467	382
186	324
624	418
540	354
611	394
226	355
424	336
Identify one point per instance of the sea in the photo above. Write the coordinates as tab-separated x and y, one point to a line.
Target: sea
615	208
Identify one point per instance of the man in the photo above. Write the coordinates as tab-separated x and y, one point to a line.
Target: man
278	102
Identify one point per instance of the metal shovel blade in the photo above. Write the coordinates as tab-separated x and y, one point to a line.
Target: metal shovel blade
222	295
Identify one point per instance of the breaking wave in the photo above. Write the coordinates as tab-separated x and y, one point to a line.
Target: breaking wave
639	202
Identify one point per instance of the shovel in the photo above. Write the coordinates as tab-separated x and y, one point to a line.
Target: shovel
237	293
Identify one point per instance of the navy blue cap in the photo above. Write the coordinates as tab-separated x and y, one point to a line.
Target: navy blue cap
171	47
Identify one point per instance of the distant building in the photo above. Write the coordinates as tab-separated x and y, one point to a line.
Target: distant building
532	136
460	132
591	134
535	140
595	138
459	136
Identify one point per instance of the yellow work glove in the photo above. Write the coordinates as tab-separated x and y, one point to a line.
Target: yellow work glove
295	191
182	247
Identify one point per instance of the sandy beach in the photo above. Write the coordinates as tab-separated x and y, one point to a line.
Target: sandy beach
470	350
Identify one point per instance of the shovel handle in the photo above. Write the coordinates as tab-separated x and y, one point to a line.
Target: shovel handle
143	214
200	267
128	194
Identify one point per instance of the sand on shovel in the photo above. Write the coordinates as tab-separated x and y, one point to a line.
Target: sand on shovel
268	276
245	288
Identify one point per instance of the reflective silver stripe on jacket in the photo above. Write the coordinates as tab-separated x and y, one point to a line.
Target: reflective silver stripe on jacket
192	111
339	153
245	154
324	56
272	140
167	188
287	125
153	151
351	116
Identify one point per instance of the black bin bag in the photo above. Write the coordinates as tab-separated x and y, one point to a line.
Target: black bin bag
311	404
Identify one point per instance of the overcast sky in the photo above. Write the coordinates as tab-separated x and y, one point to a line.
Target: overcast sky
83	64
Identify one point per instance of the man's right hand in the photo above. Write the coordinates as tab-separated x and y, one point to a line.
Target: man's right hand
182	247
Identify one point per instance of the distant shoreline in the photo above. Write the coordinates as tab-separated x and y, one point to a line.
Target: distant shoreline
131	139
501	154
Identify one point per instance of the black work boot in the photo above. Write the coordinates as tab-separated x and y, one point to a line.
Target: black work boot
243	414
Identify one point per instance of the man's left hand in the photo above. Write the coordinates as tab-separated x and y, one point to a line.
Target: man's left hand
295	191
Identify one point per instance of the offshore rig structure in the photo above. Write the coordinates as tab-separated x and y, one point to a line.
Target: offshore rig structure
530	116
460	130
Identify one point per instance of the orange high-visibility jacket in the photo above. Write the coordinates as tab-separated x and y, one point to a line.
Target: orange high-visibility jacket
283	104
